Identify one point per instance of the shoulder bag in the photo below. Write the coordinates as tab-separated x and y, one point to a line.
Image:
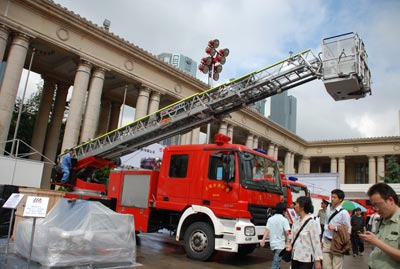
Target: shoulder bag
287	255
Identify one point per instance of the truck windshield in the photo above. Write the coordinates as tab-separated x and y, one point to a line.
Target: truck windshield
259	172
298	191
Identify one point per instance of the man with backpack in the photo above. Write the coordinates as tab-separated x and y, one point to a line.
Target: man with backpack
337	221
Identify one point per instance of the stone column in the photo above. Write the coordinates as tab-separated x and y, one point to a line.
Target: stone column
301	166
342	170
381	168
91	118
154	103
186	138
142	102
287	163
181	140
306	162
230	132
249	141
9	87
255	142
104	118
291	171
276	152
271	149
53	134
4	34
114	115
195	136
42	119
371	170
76	107
56	121
223	128
333	165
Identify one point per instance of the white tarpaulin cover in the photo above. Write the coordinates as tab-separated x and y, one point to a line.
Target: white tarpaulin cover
79	233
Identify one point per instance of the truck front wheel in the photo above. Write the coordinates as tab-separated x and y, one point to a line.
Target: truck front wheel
199	241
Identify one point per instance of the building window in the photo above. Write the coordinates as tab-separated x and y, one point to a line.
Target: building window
326	168
361	173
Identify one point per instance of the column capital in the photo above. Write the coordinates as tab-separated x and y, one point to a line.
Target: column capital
145	88
156	93
4	32
98	73
84	62
99	69
21	40
22	35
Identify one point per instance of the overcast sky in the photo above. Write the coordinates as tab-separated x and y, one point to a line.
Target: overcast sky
259	33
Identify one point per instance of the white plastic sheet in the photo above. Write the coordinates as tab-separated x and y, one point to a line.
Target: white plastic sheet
79	233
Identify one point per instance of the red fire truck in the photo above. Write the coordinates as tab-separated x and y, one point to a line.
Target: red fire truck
292	189
213	197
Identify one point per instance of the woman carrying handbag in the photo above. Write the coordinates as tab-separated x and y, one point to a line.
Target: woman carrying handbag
306	250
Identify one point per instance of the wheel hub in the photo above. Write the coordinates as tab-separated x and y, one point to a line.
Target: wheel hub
199	241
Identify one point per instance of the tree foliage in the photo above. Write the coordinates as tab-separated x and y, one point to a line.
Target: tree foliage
392	172
102	175
26	125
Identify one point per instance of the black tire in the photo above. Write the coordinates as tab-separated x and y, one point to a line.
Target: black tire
199	241
245	250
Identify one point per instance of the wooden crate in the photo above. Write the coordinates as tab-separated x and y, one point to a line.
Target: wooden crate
53	195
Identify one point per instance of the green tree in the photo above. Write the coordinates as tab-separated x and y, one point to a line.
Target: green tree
26	125
392	172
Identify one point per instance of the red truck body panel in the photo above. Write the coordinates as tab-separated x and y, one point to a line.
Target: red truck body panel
170	190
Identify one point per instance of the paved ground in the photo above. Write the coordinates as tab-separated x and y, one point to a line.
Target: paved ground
160	251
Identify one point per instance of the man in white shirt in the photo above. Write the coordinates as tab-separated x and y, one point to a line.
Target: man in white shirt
373	222
278	230
335	217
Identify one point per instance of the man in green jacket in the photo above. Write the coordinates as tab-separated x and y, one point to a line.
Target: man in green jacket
386	254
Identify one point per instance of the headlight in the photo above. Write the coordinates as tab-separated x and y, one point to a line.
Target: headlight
249	231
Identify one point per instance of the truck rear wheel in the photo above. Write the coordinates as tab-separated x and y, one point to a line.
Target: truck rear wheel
199	241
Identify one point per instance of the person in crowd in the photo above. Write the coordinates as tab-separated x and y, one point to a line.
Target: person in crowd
322	214
386	254
373	222
278	230
357	226
335	219
306	250
66	164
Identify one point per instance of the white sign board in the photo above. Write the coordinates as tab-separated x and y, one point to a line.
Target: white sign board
36	207
13	201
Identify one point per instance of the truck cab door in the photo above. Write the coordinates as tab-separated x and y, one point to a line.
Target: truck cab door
174	181
219	187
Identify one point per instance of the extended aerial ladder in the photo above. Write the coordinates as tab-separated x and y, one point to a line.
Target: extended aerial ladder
344	71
